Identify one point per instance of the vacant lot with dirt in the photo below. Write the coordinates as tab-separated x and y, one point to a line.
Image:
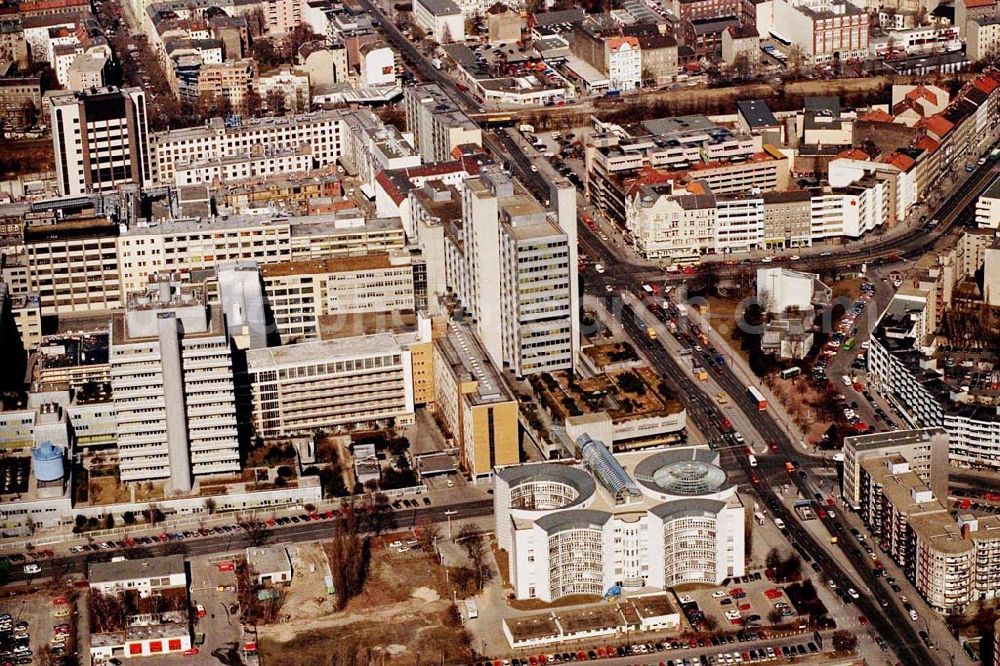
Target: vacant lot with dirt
404	613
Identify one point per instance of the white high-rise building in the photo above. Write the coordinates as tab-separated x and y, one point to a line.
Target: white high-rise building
172	381
100	139
511	265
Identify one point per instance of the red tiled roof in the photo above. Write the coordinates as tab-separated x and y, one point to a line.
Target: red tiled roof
922	91
876	116
985	83
900	161
927	143
467	163
969	4
937	125
616	42
854	154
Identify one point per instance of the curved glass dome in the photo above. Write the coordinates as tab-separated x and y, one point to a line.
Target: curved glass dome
690	477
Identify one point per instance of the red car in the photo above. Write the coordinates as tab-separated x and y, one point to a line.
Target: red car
821	512
736	592
191	652
829	501
774	447
726	424
744	607
863	620
773	593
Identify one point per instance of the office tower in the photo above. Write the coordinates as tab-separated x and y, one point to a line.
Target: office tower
172	381
100	139
509	264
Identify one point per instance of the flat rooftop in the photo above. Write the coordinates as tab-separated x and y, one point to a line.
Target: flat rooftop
590	619
532	627
319	351
151	567
468	360
367	262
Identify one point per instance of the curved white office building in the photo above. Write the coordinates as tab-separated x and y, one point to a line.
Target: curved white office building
635	520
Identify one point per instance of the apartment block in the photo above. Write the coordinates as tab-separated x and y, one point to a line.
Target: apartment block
925	450
438	125
952	561
20	99
100	139
172	382
323	131
301	293
983	38
823	29
475	405
787	219
282	15
441	19
361	382
988	207
371	146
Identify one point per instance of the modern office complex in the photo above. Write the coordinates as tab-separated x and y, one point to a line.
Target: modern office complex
172	382
361	382
633	520
507	243
100	139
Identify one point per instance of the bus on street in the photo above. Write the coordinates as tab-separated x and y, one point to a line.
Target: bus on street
758	397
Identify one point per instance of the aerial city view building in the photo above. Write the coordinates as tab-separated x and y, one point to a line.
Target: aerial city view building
361	332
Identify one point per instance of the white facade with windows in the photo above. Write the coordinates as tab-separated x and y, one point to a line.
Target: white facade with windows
585	529
739	224
624	60
322	131
338	385
172	385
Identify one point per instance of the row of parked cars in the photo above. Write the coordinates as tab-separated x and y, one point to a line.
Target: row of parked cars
748	656
15	641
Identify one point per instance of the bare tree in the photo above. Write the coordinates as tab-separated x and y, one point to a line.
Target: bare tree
474	544
257	533
428	532
210	505
348	555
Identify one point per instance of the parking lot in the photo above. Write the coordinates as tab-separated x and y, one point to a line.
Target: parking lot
213	587
29	623
743	602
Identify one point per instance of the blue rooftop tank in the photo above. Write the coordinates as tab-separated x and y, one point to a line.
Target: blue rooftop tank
47	461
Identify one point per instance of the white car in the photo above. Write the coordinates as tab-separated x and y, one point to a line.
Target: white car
795	257
450	512
853	593
599	268
686	599
395	544
718	594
